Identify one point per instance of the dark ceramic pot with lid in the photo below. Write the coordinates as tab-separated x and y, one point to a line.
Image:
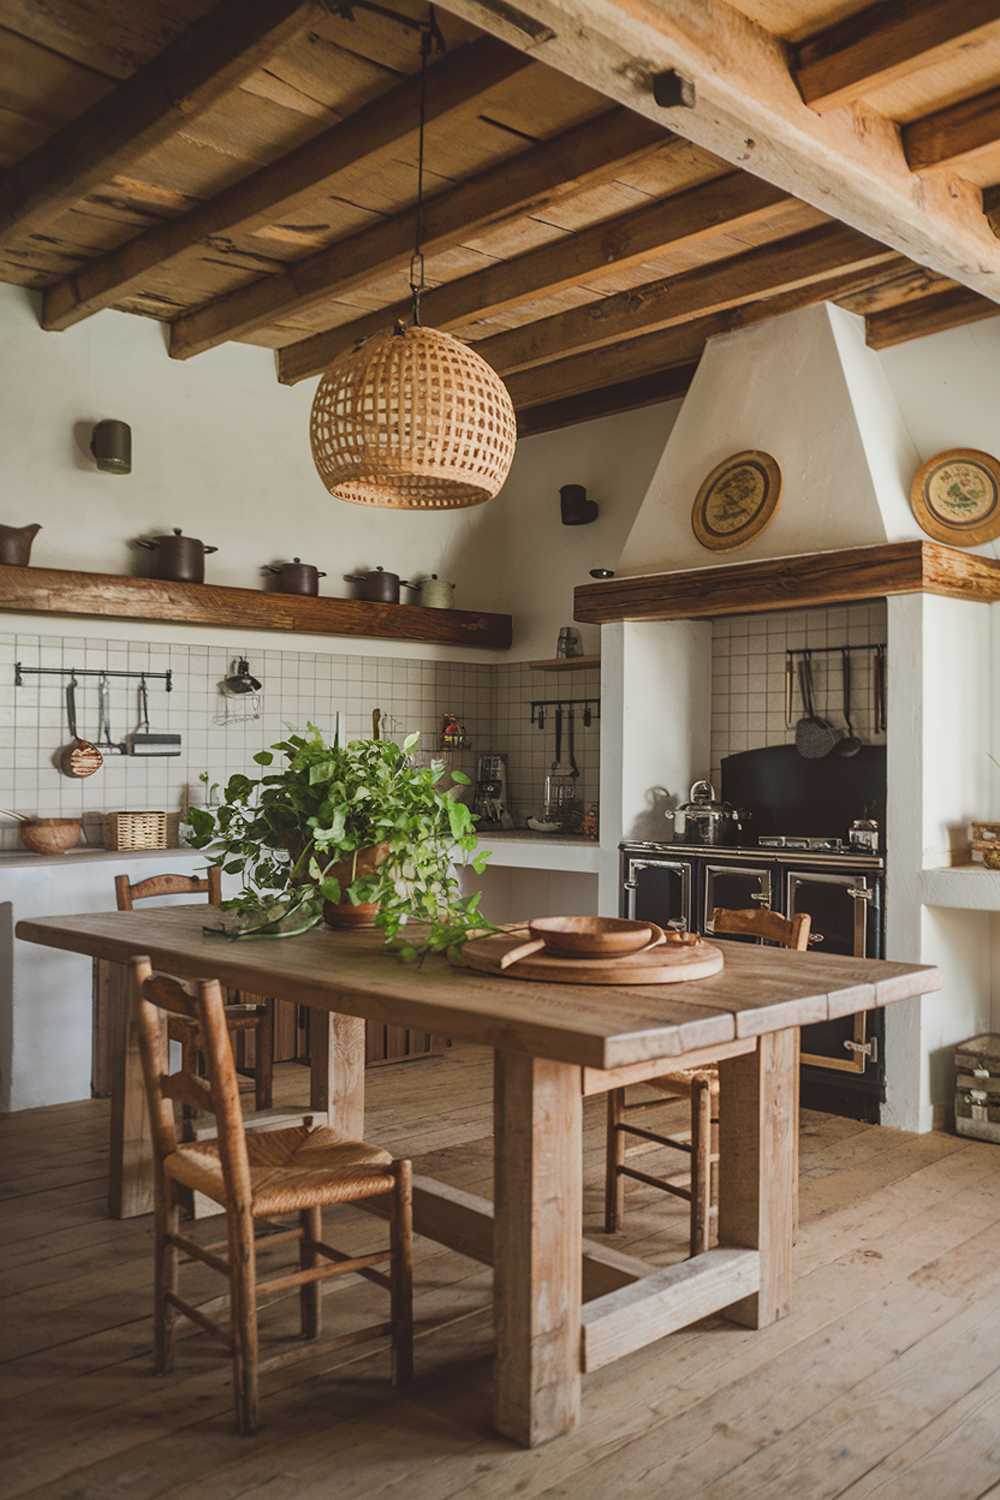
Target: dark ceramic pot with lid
295	577
177	558
378	586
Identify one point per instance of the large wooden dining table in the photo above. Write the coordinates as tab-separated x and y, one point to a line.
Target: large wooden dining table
563	1305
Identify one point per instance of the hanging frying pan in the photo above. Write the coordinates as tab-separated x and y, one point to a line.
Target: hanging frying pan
80	758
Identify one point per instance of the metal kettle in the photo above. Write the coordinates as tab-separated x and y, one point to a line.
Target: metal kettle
704	819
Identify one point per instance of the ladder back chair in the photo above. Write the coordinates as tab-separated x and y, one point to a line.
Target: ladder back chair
257	1175
700	1086
247	1015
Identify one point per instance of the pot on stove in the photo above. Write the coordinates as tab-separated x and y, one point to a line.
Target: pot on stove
703	819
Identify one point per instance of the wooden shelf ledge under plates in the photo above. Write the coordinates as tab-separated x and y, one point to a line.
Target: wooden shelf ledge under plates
567	664
810	578
54	591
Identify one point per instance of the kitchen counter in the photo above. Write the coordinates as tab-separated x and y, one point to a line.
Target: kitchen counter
965	887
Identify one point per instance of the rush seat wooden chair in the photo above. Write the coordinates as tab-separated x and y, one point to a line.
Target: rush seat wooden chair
255	1176
249	1015
700	1086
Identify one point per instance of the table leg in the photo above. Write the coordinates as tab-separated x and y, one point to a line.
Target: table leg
337	1084
130	1167
537	1246
758	1150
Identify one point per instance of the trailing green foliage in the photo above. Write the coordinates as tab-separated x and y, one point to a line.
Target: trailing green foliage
316	806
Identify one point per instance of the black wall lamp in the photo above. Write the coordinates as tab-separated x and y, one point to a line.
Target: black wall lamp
574	506
111	445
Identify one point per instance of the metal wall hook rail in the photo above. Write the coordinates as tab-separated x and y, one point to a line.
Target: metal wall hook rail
591	707
20	672
794	651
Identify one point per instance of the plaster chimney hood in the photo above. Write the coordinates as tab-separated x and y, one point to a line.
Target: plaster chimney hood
805	388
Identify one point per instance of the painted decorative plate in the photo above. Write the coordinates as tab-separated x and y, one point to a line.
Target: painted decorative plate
736	500
956	497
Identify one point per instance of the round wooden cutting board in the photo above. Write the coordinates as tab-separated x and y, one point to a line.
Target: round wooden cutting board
665	963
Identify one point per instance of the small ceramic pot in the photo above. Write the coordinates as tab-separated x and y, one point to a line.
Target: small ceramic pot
51	835
342	913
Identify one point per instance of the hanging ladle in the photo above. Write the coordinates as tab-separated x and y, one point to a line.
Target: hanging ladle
850	744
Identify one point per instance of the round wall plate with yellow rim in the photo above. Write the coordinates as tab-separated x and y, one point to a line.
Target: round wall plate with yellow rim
955	497
736	500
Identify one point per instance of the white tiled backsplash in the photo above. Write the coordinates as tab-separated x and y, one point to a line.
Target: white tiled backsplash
492	700
748	675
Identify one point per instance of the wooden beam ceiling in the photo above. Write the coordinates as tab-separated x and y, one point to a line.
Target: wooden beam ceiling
935	314
179	84
885	42
954	136
628	395
283	185
748	110
815	256
571	163
685	219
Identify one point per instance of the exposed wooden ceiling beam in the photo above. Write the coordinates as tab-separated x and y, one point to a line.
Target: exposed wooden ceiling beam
885	42
914	320
570	163
685	218
748	110
805	258
954	136
284	185
211	57
627	395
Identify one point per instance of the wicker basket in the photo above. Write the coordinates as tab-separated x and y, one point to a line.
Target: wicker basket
135	830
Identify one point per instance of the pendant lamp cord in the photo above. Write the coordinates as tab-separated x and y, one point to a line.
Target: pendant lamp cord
430	36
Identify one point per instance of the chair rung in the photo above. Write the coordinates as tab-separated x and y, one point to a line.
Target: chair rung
199	1252
321	1273
656	1103
339	1255
651	1135
657	1182
296	1352
196	1316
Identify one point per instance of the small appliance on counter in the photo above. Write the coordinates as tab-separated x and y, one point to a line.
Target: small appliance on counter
489	800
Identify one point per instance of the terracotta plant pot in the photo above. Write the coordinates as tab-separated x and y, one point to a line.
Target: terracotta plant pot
51	835
342	913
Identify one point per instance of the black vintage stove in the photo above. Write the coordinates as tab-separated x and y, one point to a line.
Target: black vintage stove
793	857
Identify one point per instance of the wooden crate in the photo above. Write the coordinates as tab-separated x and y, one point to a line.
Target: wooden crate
977	1087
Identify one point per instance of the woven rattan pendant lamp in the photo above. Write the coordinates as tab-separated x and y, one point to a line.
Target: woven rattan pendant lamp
413	418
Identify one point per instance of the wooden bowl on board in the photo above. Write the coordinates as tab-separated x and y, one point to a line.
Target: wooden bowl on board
591	937
51	835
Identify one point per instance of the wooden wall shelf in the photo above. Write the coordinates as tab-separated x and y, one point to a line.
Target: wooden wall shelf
55	591
800	582
566	664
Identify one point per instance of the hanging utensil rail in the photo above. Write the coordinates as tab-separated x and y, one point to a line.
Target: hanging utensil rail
20	672
591	707
793	651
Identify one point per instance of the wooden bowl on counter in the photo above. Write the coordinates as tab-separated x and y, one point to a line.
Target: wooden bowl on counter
51	835
591	937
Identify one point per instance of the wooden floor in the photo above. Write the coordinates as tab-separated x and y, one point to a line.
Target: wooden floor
885	1381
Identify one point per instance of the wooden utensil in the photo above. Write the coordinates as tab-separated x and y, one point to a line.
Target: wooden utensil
591	937
80	758
660	963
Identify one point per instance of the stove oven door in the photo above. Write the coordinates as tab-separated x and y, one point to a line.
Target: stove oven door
738	887
845	919
659	889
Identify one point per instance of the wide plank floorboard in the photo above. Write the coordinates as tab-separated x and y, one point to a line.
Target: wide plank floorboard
884	1381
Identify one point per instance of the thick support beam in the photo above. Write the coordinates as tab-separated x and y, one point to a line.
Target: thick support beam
178	85
917	319
748	110
886	42
570	163
648	1310
689	218
767	272
955	136
284	185
628	395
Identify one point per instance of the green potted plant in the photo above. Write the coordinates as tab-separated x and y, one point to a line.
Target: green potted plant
353	833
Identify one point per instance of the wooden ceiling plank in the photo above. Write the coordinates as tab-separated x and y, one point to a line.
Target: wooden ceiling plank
883	43
627	395
570	163
748	111
951	137
183	81
286	184
701	213
917	319
813	256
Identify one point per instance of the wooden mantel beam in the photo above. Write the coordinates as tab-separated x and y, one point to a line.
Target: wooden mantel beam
714	208
885	42
569	163
175	87
748	110
286	184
